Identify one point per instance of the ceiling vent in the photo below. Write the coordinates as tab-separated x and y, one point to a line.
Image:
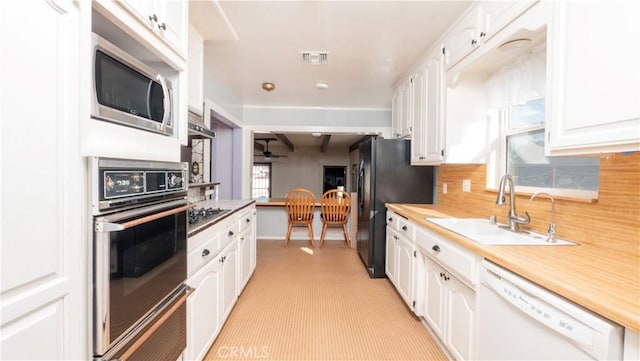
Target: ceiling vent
315	57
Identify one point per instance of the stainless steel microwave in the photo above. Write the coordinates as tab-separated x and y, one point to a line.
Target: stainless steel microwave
128	92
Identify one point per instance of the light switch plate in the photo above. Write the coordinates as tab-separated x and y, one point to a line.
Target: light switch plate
444	188
466	185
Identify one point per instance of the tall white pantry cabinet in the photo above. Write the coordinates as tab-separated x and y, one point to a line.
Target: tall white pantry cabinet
44	280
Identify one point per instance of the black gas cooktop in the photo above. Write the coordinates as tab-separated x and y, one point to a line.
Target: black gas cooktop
197	217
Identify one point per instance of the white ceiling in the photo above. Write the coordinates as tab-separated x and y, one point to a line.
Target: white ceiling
372	44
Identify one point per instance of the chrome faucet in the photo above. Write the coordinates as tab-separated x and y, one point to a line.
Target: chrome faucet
551	232
514	220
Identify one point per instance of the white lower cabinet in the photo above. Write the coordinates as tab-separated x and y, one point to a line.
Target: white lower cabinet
449	302
229	260
435	277
631	345
246	247
449	309
220	263
390	257
404	267
460	315
203	310
399	258
244	259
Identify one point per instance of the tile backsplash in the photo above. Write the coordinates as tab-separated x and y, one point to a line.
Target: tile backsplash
612	221
196	167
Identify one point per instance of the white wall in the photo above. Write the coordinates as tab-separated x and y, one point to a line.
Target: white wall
467	120
222	157
321	118
303	168
218	91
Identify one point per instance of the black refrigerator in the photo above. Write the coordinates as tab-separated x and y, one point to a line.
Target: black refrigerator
386	176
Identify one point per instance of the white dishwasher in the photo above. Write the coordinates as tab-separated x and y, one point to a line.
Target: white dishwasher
518	320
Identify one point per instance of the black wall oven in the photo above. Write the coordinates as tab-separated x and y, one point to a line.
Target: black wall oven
139	259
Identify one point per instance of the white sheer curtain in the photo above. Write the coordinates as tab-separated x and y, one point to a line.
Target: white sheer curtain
518	82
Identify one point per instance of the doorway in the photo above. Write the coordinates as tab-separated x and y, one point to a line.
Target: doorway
333	177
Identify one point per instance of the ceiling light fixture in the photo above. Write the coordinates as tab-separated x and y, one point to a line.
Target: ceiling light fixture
268	86
316	134
322	85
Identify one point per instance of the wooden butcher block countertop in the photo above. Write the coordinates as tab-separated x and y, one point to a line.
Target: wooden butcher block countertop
604	281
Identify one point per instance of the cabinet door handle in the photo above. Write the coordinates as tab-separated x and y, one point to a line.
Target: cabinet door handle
230	233
162	26
404	228
483	34
205	252
153	18
248	220
390	219
473	42
436	248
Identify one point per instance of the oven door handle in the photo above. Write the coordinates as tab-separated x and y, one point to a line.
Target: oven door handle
102	226
149	332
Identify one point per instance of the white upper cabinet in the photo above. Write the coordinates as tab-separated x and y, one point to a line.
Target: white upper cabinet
160	25
427	144
593	74
173	23
497	14
463	37
396	106
195	69
419	115
168	19
401	113
406	118
480	24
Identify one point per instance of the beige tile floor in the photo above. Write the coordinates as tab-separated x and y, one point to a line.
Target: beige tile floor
319	304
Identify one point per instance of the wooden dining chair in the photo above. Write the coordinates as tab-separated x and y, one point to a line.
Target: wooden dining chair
334	209
300	204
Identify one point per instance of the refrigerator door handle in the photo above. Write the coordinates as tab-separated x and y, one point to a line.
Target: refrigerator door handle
361	189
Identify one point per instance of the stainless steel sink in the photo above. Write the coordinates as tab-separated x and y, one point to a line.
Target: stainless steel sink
484	232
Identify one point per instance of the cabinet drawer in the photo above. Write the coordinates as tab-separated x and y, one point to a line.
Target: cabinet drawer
230	232
461	262
202	237
393	220
246	219
202	254
406	228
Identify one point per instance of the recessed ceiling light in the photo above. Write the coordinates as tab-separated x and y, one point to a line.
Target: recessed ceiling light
322	85
316	134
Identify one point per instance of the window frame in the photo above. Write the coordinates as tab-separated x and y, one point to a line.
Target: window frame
253	188
496	171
